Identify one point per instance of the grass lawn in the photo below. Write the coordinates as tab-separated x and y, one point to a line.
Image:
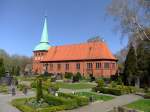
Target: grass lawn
143	105
81	85
96	96
3	89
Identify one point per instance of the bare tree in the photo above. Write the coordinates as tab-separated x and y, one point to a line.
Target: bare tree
131	16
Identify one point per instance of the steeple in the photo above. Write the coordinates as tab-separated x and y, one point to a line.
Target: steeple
44	43
44	37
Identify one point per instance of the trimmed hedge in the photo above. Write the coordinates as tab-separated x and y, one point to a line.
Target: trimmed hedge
52	109
68	103
63	102
81	101
118	90
20	104
112	91
147	95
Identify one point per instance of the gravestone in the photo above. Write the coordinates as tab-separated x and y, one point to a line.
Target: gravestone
8	79
52	91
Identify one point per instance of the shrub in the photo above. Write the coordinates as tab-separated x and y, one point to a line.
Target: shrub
68	75
113	84
3	89
100	83
112	91
77	77
20	104
21	87
33	84
39	93
79	99
92	78
147	95
52	109
119	81
53	100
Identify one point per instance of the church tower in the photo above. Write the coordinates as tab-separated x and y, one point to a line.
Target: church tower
41	50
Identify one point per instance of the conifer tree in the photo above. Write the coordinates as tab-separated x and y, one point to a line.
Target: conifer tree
130	69
143	62
2	68
39	93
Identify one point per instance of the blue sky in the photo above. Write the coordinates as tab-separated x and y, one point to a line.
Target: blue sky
69	21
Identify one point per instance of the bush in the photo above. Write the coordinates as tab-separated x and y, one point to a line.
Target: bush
33	84
20	104
3	89
112	91
53	103
147	95
92	78
39	93
21	87
68	103
68	75
113	84
81	101
100	83
77	77
52	109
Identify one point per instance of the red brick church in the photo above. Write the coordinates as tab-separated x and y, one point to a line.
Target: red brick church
87	58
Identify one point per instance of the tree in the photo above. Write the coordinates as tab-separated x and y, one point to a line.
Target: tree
131	16
77	77
68	75
143	62
15	62
130	69
2	68
39	93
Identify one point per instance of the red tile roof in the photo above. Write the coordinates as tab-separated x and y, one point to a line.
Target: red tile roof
84	51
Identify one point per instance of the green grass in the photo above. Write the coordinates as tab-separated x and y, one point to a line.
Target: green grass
143	105
81	85
96	96
3	89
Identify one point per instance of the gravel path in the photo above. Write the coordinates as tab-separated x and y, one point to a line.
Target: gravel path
71	90
5	100
5	106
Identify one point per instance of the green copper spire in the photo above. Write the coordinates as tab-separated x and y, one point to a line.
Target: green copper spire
44	43
44	37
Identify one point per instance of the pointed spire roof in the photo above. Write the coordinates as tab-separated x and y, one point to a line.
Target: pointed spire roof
44	43
44	37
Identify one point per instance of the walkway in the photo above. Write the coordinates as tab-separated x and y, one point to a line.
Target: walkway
71	90
94	107
5	100
108	105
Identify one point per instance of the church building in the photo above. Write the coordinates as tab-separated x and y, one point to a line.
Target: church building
87	58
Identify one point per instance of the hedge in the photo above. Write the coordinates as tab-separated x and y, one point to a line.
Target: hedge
52	109
20	104
112	91
63	102
68	103
147	95
81	100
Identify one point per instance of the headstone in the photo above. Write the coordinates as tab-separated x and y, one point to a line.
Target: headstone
25	90
13	91
52	91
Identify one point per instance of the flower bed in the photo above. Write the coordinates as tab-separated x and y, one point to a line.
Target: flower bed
50	103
